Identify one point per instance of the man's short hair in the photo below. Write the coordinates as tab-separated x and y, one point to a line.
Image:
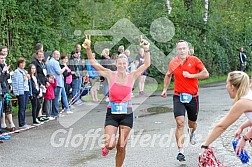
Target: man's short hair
2	47
179	41
39	46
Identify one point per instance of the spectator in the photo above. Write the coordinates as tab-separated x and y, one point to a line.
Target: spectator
3	78
36	94
6	113
20	84
142	78
53	67
78	50
67	74
105	62
120	49
41	75
94	78
131	66
75	64
243	59
49	96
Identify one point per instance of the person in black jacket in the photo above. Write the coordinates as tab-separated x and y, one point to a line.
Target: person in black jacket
36	94
41	73
243	59
3	78
77	66
40	66
5	90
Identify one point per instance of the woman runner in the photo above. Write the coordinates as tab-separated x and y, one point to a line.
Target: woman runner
119	110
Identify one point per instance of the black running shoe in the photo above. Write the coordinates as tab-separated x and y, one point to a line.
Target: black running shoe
180	157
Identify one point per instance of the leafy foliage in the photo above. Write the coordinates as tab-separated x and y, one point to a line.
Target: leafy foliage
54	22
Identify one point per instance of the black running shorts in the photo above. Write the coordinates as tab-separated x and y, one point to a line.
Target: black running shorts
118	119
180	108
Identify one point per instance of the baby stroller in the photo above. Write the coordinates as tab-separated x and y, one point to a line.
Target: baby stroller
84	91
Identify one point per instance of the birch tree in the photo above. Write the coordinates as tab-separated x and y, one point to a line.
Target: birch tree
206	11
168	5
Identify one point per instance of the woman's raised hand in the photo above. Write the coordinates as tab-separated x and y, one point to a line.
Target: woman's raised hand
144	43
86	44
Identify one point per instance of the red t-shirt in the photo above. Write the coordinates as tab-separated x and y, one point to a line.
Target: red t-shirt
193	65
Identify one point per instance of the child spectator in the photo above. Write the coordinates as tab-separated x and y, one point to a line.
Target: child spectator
8	106
49	95
36	94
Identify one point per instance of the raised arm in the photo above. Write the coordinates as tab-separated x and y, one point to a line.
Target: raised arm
102	71
145	45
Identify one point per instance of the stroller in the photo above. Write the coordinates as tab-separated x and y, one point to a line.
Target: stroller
85	89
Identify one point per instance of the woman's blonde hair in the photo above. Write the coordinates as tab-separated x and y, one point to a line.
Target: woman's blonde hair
105	51
240	80
122	56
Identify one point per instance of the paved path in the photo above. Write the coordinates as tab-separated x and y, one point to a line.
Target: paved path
74	140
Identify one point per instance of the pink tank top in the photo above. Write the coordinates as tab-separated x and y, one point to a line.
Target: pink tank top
69	77
120	93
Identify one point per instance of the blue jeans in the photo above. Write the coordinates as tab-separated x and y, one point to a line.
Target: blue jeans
22	105
76	87
64	99
55	102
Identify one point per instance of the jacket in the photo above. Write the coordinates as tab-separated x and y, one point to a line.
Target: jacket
49	95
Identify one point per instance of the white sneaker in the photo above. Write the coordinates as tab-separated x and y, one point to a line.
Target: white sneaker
192	136
78	102
69	112
51	118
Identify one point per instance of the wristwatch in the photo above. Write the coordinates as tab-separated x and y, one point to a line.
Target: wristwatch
203	146
245	138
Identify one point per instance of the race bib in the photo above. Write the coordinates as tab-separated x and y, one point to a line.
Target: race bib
119	108
185	98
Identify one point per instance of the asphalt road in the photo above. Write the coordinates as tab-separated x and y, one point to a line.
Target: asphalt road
76	139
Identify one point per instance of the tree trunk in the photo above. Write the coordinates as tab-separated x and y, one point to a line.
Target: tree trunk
169	8
206	11
205	17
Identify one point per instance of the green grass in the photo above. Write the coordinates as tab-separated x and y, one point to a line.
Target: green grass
211	79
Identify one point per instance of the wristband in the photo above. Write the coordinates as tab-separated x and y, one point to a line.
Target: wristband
203	146
245	138
147	50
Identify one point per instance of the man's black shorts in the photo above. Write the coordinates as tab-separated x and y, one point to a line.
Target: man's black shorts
180	108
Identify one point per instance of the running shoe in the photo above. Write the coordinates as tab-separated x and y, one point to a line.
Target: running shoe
104	151
180	157
192	137
5	137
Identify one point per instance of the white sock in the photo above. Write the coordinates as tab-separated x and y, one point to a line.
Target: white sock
13	125
3	125
181	150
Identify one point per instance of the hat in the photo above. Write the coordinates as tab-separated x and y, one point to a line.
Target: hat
47	54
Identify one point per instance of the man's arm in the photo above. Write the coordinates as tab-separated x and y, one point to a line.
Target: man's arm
201	75
167	81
